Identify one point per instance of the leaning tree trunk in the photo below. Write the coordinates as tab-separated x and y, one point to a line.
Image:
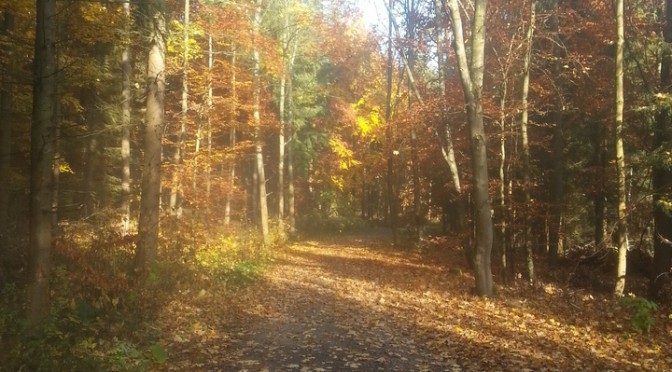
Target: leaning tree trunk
41	156
622	227
662	170
471	75
148	227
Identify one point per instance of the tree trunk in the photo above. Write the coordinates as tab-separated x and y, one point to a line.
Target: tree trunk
662	172
471	75
259	155
6	101
176	191
527	184
391	193
291	208
622	227
148	227
557	188
447	149
232	136
41	155
126	125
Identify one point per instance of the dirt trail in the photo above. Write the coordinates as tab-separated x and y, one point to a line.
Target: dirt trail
354	303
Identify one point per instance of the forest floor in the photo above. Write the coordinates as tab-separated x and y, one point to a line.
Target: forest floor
357	303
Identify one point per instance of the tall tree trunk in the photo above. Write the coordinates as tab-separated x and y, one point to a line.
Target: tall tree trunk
41	155
291	208
417	207
259	154
471	74
6	101
126	124
148	227
391	193
558	180
281	133
662	172
502	176
176	191
232	136
445	137
527	184
622	227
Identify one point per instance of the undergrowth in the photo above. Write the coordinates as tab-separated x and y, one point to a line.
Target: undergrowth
100	319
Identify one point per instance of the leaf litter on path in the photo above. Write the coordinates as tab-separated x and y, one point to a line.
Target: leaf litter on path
356	304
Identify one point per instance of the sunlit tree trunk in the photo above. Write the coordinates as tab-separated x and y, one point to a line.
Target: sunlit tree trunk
622	227
126	124
6	115
281	133
41	156
176	191
232	136
148	227
471	74
291	208
527	185
662	170
259	154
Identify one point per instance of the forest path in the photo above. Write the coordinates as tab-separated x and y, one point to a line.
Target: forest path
355	303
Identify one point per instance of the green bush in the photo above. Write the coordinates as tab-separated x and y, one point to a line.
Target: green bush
642	312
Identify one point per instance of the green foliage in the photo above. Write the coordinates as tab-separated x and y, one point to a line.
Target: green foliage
235	259
159	353
642	312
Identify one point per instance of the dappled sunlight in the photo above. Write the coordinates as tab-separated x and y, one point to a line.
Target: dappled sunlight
351	307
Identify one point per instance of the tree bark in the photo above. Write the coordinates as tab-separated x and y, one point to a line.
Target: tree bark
527	184
622	227
291	208
148	227
41	156
6	103
259	154
662	172
177	192
471	75
558	186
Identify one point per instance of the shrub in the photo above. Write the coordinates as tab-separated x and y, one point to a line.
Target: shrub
641	310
